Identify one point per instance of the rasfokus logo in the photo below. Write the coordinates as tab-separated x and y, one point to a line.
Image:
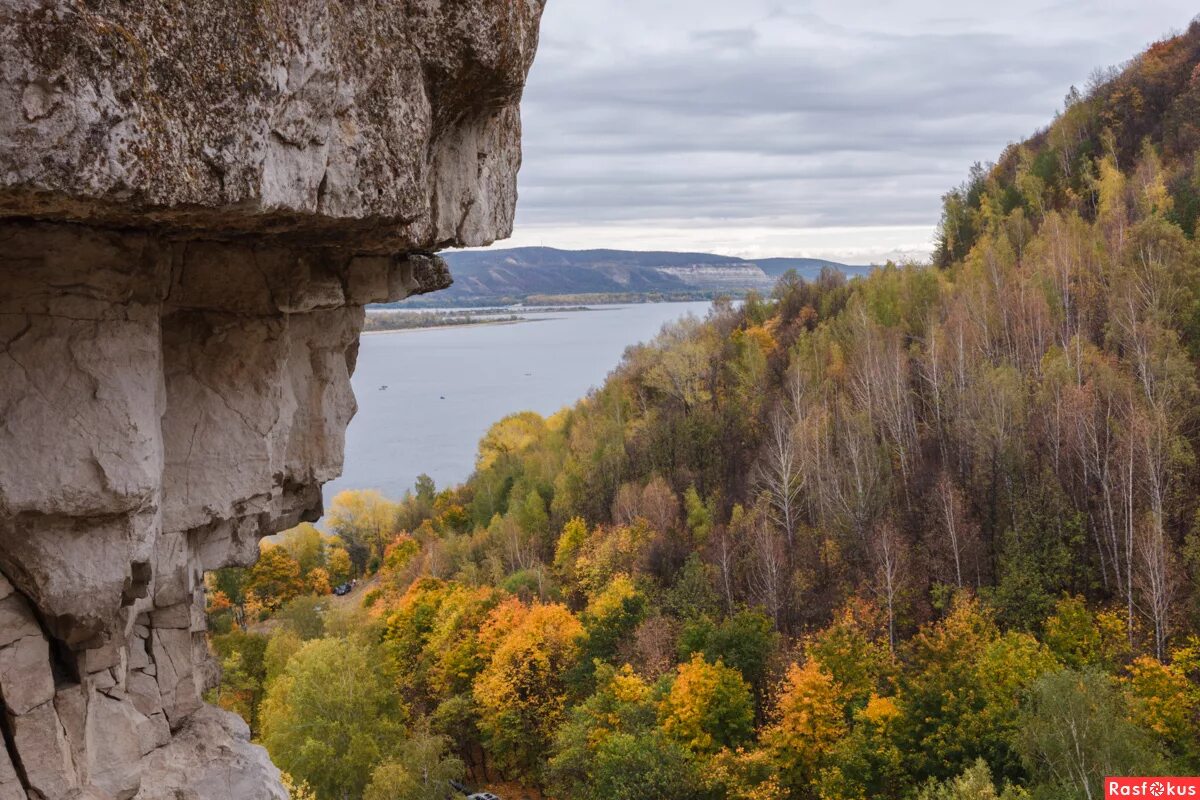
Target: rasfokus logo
1151	787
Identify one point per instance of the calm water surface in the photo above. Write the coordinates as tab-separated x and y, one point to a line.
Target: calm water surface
446	386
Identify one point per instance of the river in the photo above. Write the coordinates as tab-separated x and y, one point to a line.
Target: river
446	386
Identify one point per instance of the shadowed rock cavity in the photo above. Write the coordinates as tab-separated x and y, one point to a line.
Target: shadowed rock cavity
196	202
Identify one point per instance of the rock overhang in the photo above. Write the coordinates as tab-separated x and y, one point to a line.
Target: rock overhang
389	126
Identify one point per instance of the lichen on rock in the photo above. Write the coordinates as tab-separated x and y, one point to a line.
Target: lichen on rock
197	200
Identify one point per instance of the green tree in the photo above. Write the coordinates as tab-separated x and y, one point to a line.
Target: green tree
243	673
699	516
858	663
610	619
648	766
610	746
744	641
1075	730
622	702
960	694
231	582
531	516
331	718
693	597
422	770
1036	561
305	616
868	761
973	784
281	646
426	490
457	719
1080	637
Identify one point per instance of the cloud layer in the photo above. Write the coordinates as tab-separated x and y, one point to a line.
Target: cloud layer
802	128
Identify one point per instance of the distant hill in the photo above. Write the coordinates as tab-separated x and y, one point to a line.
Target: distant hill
520	273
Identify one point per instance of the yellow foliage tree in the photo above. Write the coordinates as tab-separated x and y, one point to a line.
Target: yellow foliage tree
1162	699
1113	213
1078	636
273	580
365	521
742	774
1150	183
809	720
452	648
521	692
570	543
337	562
305	544
318	581
512	434
709	706
297	790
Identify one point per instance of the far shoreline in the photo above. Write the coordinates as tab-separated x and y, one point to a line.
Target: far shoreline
488	324
476	316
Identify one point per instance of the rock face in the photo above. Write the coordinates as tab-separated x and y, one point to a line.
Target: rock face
196	201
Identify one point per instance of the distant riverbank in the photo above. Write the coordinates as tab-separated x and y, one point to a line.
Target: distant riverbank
390	321
546	302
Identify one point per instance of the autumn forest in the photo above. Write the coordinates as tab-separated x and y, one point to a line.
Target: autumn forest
931	534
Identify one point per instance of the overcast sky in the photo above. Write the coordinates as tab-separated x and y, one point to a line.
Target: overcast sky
762	127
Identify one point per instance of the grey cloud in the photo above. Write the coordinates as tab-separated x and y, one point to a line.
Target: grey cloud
733	38
845	127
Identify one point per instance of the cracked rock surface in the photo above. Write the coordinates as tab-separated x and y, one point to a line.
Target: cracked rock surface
197	200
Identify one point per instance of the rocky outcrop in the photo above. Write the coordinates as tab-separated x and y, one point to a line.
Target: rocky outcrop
196	201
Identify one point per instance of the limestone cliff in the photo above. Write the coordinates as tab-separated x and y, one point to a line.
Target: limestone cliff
196	201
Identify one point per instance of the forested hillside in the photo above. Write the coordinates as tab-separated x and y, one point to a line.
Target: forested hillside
933	534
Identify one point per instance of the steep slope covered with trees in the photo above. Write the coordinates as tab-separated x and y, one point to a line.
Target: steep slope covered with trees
932	534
